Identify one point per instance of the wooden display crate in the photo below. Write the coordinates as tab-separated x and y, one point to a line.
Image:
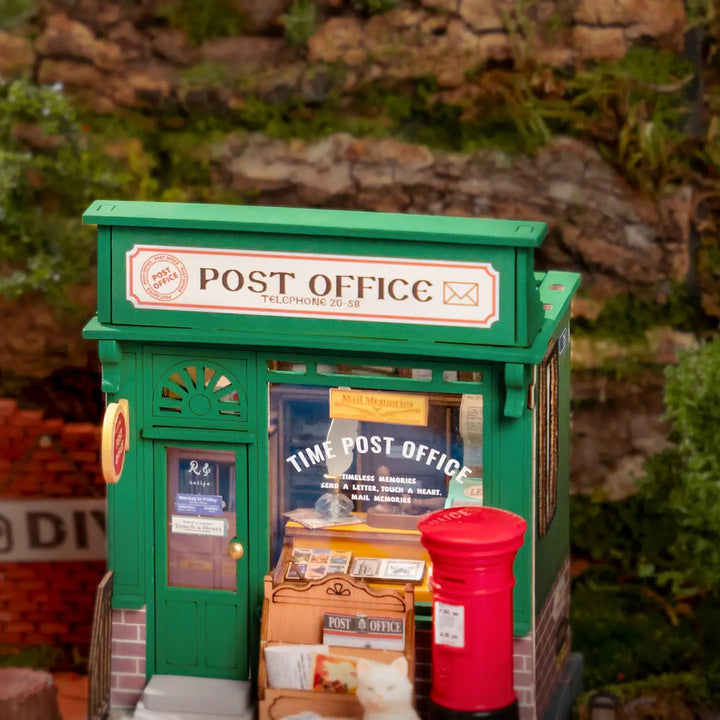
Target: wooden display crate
293	614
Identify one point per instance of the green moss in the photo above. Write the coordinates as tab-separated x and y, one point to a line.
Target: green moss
616	106
16	12
626	318
375	7
207	74
38	657
204	19
300	22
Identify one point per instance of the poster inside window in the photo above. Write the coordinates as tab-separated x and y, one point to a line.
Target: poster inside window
344	456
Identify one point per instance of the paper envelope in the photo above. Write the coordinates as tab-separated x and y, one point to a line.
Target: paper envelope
461	293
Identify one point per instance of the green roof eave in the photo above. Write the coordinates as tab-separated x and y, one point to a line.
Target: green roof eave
306	221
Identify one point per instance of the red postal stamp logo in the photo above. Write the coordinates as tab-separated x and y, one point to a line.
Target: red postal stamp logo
164	277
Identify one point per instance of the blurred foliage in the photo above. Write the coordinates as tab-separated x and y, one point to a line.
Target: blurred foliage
16	12
47	176
374	7
50	170
633	109
203	19
684	481
701	12
627	317
39	657
300	22
647	599
667	696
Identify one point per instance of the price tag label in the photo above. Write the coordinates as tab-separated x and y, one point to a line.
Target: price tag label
449	625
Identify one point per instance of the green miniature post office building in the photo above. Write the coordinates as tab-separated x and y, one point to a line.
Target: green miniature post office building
297	388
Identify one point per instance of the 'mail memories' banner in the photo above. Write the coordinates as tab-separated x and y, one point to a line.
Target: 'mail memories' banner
343	287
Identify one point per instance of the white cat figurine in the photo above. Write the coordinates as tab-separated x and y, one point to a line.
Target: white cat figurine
385	691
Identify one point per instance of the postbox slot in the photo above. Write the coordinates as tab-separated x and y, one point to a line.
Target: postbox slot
454	580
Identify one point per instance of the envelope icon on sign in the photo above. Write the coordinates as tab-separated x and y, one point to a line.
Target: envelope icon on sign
461	293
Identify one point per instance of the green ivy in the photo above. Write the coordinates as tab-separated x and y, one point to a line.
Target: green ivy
649	601
47	177
669	533
684	482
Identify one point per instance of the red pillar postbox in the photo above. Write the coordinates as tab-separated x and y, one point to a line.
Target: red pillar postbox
472	550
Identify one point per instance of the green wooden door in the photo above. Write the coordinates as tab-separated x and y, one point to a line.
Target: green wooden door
201	609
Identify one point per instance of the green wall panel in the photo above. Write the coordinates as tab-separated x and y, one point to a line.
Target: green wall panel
126	545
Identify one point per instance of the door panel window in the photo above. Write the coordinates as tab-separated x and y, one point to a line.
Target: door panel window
201	506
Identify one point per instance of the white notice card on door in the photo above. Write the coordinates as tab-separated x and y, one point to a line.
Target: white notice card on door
189	525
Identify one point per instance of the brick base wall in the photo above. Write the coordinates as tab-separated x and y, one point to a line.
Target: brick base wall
48	603
423	670
552	646
538	657
541	655
127	668
524	675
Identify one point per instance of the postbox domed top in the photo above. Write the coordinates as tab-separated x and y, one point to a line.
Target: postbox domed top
473	527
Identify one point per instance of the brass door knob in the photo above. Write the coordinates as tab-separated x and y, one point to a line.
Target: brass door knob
235	549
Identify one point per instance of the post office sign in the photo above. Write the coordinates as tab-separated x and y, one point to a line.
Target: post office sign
337	287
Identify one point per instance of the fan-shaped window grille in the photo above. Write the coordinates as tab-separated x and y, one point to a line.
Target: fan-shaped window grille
194	390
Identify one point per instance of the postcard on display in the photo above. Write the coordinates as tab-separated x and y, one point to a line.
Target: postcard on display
388	569
315	564
334	673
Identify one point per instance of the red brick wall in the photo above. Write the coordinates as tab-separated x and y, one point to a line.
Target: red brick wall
48	603
128	657
423	670
552	643
524	675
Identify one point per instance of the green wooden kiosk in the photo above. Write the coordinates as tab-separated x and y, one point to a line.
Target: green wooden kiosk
262	358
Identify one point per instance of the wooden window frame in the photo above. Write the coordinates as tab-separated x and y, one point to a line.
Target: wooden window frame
547	439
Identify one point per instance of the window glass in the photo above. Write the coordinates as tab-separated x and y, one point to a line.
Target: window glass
547	440
351	457
201	499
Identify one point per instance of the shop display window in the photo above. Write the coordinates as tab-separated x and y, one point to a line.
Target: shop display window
354	469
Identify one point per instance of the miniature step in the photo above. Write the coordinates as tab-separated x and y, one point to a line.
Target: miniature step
179	697
142	713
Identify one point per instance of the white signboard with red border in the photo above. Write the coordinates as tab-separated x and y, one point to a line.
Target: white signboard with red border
341	287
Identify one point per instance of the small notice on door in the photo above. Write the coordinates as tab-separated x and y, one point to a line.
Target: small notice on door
190	504
183	525
449	625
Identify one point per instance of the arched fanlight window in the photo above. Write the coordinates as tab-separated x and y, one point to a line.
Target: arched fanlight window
201	390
